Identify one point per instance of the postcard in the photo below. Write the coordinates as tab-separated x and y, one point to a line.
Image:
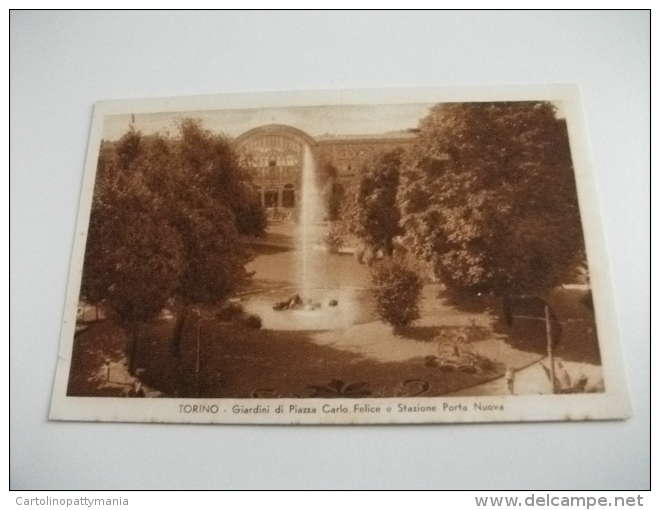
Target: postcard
340	257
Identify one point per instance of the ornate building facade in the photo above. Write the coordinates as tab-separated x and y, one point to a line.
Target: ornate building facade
276	154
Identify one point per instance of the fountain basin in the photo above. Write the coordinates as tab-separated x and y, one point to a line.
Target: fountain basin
346	310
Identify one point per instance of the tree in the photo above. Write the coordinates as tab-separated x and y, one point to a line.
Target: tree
489	197
208	160
166	220
332	192
211	207
133	257
251	218
397	291
374	209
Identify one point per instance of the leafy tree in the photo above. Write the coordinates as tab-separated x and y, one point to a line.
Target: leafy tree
209	208
166	221
374	209
209	160
133	257
128	147
251	218
332	192
397	291
489	197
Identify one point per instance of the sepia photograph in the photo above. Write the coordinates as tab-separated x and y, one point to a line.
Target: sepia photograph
304	249
339	262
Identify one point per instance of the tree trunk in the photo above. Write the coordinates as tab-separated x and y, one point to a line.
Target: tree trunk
179	326
133	331
507	312
388	248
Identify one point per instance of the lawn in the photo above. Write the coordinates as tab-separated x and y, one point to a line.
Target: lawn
358	357
238	362
366	359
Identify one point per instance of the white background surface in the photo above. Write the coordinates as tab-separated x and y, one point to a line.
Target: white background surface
62	63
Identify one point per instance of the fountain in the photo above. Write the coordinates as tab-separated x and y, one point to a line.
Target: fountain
309	215
307	304
315	302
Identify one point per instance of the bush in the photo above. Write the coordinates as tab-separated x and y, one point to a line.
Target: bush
333	239
252	321
397	291
251	217
456	353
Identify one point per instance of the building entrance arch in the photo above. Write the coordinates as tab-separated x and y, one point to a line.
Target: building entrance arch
275	155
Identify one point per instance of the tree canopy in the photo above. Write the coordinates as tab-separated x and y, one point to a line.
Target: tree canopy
166	220
332	192
133	257
373	208
489	197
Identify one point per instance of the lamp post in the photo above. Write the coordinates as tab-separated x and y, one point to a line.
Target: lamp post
548	332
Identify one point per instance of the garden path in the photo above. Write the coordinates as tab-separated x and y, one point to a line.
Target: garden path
532	380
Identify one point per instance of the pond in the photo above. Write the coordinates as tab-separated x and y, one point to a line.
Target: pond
331	277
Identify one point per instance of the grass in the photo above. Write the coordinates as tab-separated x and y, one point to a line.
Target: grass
238	362
241	363
578	341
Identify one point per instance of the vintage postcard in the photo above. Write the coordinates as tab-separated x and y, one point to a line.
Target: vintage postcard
340	257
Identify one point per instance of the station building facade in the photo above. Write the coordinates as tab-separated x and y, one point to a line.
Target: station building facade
276	154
